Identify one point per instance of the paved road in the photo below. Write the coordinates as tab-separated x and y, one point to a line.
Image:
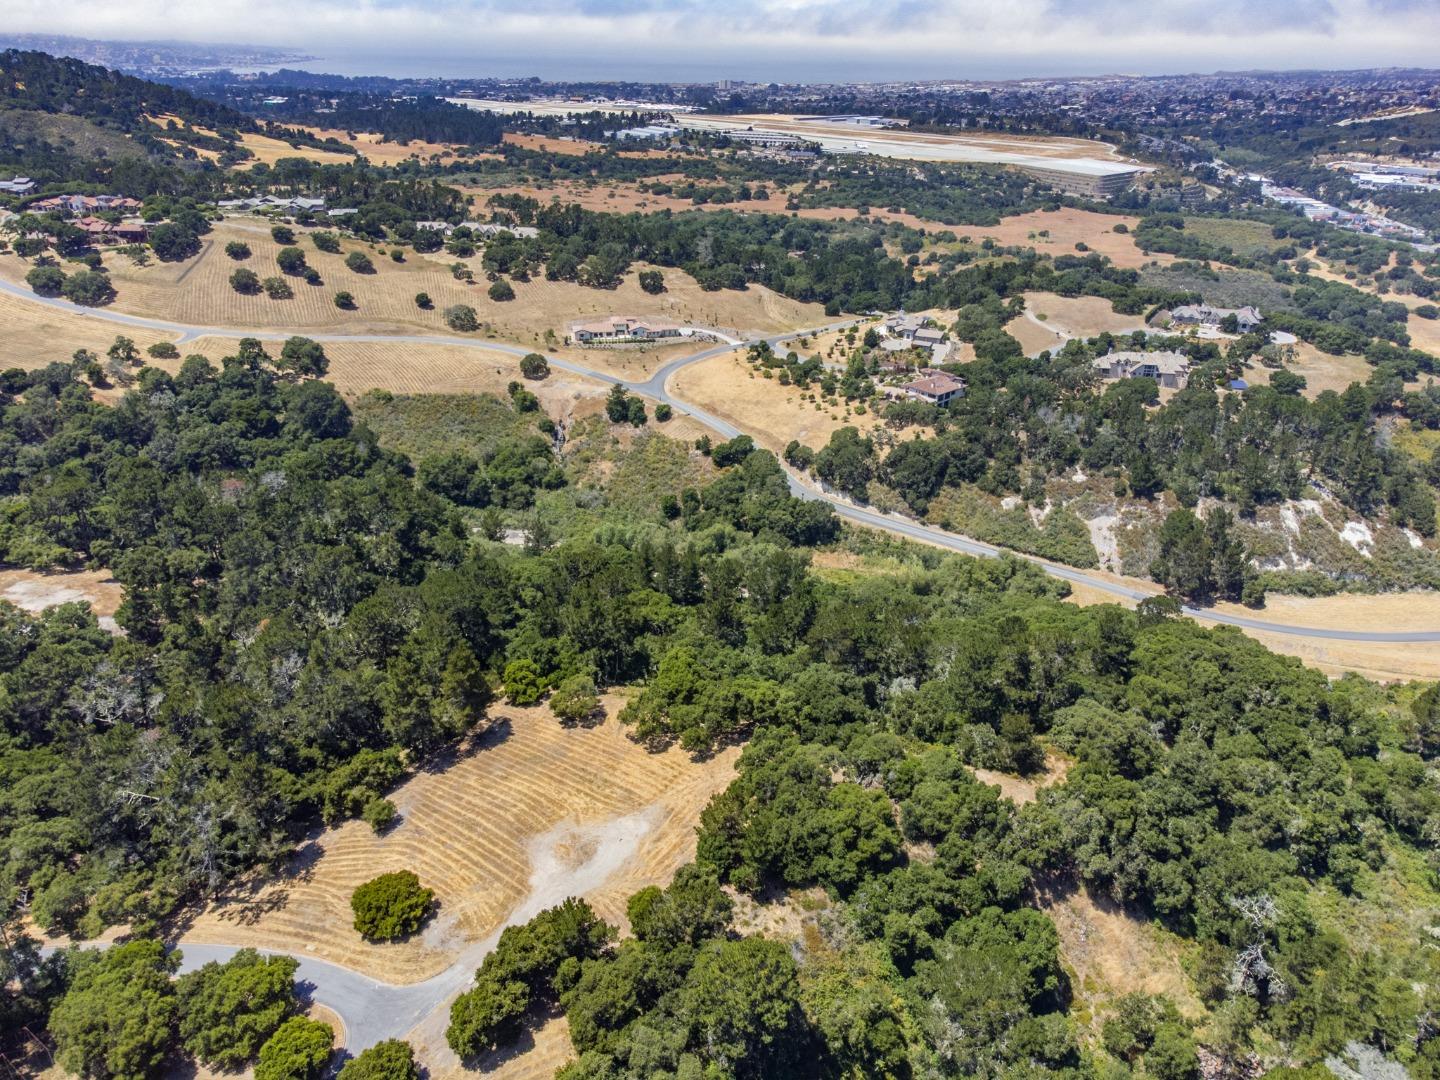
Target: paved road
657	387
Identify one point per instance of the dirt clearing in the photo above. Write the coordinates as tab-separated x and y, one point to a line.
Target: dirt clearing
527	801
33	591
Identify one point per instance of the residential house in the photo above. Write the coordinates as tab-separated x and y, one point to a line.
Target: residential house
84	204
624	328
18	185
903	325
112	232
1246	318
1169	369
936	387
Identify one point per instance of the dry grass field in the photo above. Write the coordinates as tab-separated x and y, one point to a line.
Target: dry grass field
1321	370
774	414
1065	229
1052	320
267	151
197	292
36	335
529	798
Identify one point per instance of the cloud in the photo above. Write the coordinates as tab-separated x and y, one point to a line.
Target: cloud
783	40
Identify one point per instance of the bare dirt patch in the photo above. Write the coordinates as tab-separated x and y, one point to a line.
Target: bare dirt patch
1024	789
32	591
1110	953
528	801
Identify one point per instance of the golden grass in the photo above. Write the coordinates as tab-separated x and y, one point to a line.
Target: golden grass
774	414
197	292
36	334
268	151
1066	228
465	831
1321	370
1062	318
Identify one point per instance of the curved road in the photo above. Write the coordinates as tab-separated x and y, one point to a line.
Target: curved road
657	387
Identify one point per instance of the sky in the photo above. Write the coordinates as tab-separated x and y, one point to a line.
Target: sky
776	40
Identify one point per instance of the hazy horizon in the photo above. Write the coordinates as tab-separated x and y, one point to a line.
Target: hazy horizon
778	40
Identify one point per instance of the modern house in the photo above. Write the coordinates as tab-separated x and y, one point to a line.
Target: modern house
624	328
18	185
285	205
1169	369
1246	318
903	325
481	229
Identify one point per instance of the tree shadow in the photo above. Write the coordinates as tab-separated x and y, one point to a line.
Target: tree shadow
490	736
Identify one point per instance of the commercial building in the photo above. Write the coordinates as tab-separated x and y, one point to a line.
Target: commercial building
1088	179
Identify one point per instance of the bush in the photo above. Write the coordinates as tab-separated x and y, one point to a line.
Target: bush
391	906
389	1060
277	288
229	1010
299	1050
326	241
344	300
282	234
652	281
359	262
423	301
461	317
663	412
88	287
245	281
534	366
1428	311
163	350
501	290
46	280
379	814
237	250
575	699
396	255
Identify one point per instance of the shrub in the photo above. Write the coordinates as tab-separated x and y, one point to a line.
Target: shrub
391	906
46	280
652	281
396	255
523	681
277	288
344	300
359	262
501	290
326	241
88	287
282	234
575	699
663	412
461	317
534	366
389	1060
299	1050
163	350
379	814
237	250
245	281
1428	311
423	301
